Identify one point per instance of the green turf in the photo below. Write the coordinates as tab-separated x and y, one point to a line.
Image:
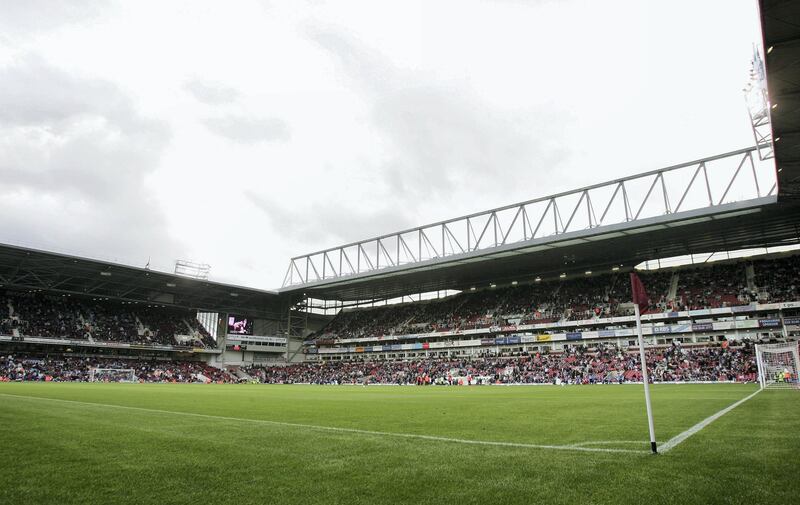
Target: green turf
55	452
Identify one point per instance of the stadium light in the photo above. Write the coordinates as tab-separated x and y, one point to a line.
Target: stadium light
191	269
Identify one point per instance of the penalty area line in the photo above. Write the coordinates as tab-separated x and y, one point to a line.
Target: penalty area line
681	437
335	429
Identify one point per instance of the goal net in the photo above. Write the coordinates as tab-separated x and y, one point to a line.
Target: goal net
778	365
112	375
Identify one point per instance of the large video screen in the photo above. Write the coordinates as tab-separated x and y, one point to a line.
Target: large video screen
239	325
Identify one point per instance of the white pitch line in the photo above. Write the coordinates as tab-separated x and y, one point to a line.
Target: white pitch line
337	429
612	442
676	440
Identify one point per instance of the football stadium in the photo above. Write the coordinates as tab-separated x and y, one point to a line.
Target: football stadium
627	341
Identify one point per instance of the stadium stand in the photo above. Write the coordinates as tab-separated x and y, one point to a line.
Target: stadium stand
30	367
603	364
43	315
779	280
584	304
685	288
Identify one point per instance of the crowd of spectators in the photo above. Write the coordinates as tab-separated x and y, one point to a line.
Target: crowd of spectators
41	315
45	315
603	364
101	321
19	367
722	285
594	296
779	279
541	302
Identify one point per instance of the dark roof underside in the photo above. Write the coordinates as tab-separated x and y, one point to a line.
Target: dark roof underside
32	269
780	25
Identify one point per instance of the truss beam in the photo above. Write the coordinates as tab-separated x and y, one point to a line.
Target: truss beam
665	191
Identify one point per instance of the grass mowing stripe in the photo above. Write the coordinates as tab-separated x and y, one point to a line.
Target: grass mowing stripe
337	429
676	440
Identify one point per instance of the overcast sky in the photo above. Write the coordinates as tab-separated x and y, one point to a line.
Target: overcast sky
243	133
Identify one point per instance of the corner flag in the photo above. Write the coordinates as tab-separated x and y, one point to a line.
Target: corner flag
639	293
640	302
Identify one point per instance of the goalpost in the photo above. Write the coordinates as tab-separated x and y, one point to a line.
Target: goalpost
112	375
778	365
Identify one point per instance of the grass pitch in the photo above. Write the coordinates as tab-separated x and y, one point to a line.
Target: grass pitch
237	444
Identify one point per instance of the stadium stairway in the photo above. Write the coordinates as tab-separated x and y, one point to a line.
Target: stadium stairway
140	329
750	275
673	286
201	378
236	371
189	330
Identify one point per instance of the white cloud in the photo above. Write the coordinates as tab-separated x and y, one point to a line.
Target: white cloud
211	93
22	19
441	140
74	158
248	130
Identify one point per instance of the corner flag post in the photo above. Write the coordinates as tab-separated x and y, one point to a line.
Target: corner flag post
639	299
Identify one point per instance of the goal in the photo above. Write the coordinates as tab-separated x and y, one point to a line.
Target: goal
112	375
778	365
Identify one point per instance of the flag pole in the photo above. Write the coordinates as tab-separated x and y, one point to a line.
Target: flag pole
646	382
